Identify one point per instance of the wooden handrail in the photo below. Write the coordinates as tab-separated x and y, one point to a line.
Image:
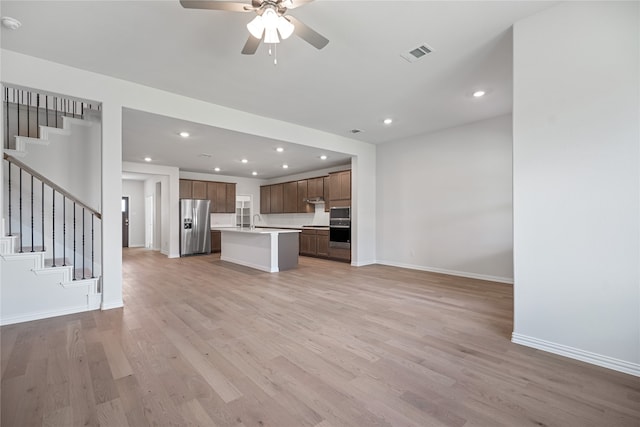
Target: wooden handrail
51	184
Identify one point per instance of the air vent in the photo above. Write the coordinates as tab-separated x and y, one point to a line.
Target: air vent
355	130
204	155
418	53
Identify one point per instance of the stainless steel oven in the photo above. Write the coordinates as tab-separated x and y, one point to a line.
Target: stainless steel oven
340	227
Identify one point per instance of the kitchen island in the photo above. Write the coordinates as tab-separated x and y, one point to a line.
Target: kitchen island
267	249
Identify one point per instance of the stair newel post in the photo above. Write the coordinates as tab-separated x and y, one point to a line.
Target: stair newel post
64	231
74	240
20	208
42	214
9	182
92	245
32	227
83	251
53	225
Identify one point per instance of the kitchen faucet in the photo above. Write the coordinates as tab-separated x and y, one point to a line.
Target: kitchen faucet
254	220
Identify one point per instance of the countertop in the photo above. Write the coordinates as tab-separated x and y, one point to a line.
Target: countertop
258	230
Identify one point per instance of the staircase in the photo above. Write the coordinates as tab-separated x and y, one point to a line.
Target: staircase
50	237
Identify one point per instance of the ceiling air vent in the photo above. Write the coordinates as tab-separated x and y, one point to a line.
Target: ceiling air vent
418	53
355	130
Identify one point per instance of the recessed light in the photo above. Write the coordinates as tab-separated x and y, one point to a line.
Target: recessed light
323	157
184	134
147	159
285	166
245	161
254	173
387	121
216	169
279	149
479	93
10	23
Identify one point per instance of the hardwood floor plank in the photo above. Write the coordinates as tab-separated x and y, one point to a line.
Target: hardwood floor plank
203	342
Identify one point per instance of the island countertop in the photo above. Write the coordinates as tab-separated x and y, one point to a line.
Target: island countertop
256	230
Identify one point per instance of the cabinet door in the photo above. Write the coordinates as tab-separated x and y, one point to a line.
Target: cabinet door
230	205
327	194
212	194
303	206
322	244
265	199
290	197
199	190
221	198
315	187
216	241
340	185
308	242
185	189
276	198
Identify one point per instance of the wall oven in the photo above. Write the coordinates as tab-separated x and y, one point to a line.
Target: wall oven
340	227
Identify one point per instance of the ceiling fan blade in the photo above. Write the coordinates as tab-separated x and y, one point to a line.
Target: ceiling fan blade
251	45
229	6
308	34
292	4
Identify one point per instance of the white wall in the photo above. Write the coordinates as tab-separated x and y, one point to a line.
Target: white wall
135	191
577	182
445	201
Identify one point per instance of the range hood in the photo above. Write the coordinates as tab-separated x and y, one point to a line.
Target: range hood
315	200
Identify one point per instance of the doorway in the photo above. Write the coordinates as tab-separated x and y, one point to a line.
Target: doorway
125	221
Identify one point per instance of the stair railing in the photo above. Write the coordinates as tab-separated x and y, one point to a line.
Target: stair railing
34	192
26	111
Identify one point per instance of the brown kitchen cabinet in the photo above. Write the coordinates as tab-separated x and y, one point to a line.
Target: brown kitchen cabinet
185	189
308	243
230	205
303	195
199	190
216	241
340	254
290	197
315	187
265	199
340	183
326	186
277	202
322	243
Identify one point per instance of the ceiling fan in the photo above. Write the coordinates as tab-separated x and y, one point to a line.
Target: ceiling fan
271	21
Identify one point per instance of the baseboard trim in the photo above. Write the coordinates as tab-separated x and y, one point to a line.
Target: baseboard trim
44	315
578	354
111	305
362	263
507	280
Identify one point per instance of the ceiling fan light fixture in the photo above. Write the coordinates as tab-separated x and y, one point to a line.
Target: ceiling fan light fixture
271	35
256	27
285	28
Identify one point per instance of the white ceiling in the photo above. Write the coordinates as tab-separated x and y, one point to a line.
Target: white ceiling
355	82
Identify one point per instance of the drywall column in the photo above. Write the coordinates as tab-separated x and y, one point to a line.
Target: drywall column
111	212
577	182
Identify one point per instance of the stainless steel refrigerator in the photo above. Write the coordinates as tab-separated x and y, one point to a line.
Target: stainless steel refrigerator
195	235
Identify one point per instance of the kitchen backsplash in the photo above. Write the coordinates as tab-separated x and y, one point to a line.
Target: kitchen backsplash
223	220
320	217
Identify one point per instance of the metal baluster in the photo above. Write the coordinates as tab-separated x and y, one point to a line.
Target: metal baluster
6	97
46	108
10	199
32	228
53	227
83	252
28	114
64	231
92	243
20	206
74	240
18	111
55	104
42	213
38	116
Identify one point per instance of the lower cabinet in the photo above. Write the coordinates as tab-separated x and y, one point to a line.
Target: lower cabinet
216	241
314	243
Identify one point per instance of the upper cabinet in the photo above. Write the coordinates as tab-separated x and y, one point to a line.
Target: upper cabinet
340	183
265	199
315	187
221	194
290	197
277	202
303	195
327	194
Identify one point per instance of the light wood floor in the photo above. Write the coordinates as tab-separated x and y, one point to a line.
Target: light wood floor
204	342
